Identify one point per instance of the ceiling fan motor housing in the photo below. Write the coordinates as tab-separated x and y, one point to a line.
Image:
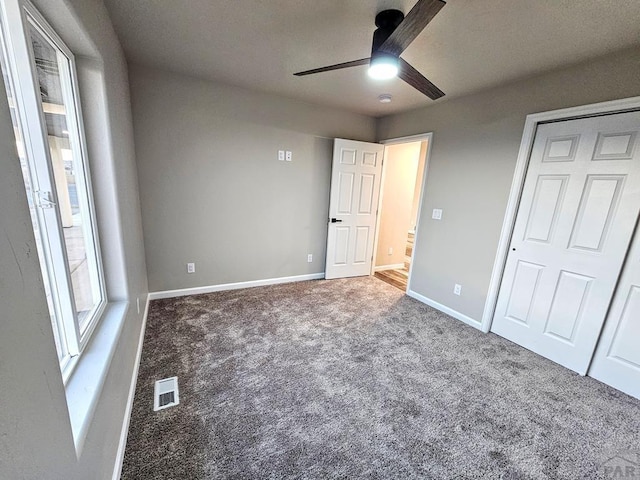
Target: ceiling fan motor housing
386	21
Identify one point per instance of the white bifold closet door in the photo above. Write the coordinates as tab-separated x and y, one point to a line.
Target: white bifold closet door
577	215
617	359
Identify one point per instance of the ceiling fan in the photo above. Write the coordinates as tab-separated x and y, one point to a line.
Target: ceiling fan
392	37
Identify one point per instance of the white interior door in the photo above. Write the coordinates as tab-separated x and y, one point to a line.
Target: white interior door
577	215
617	358
353	203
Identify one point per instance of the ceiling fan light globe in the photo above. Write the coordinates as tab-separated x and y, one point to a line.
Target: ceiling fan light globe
383	69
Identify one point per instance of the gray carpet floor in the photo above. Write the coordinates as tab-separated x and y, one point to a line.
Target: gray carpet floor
352	379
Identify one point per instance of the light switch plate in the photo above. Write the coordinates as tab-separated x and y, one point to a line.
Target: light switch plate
281	155
437	214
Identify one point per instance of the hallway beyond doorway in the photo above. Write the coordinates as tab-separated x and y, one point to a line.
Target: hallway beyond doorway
399	277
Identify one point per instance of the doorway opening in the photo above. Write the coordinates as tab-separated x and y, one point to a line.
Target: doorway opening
398	210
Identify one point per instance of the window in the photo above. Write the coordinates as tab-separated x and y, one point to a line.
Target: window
41	83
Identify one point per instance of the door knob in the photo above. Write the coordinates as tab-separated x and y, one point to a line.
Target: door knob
335	220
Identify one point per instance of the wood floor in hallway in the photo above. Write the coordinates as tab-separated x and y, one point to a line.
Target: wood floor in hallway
399	277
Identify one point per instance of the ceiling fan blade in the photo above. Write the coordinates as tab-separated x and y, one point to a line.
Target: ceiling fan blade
415	21
354	63
418	81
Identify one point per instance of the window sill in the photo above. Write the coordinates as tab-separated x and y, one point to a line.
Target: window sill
84	387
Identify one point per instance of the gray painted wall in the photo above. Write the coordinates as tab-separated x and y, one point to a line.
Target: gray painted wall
474	151
212	189
35	436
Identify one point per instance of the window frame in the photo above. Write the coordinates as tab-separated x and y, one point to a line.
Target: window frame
17	16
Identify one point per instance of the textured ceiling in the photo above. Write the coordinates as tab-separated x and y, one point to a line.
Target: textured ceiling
469	46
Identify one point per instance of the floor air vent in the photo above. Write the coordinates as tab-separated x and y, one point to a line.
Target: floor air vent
166	394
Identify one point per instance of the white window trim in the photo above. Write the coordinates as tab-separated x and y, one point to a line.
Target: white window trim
79	147
84	387
16	16
84	376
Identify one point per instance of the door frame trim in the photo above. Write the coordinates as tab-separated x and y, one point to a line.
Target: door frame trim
519	175
421	137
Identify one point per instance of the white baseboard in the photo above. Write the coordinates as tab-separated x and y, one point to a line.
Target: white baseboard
381	268
444	309
117	469
233	286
